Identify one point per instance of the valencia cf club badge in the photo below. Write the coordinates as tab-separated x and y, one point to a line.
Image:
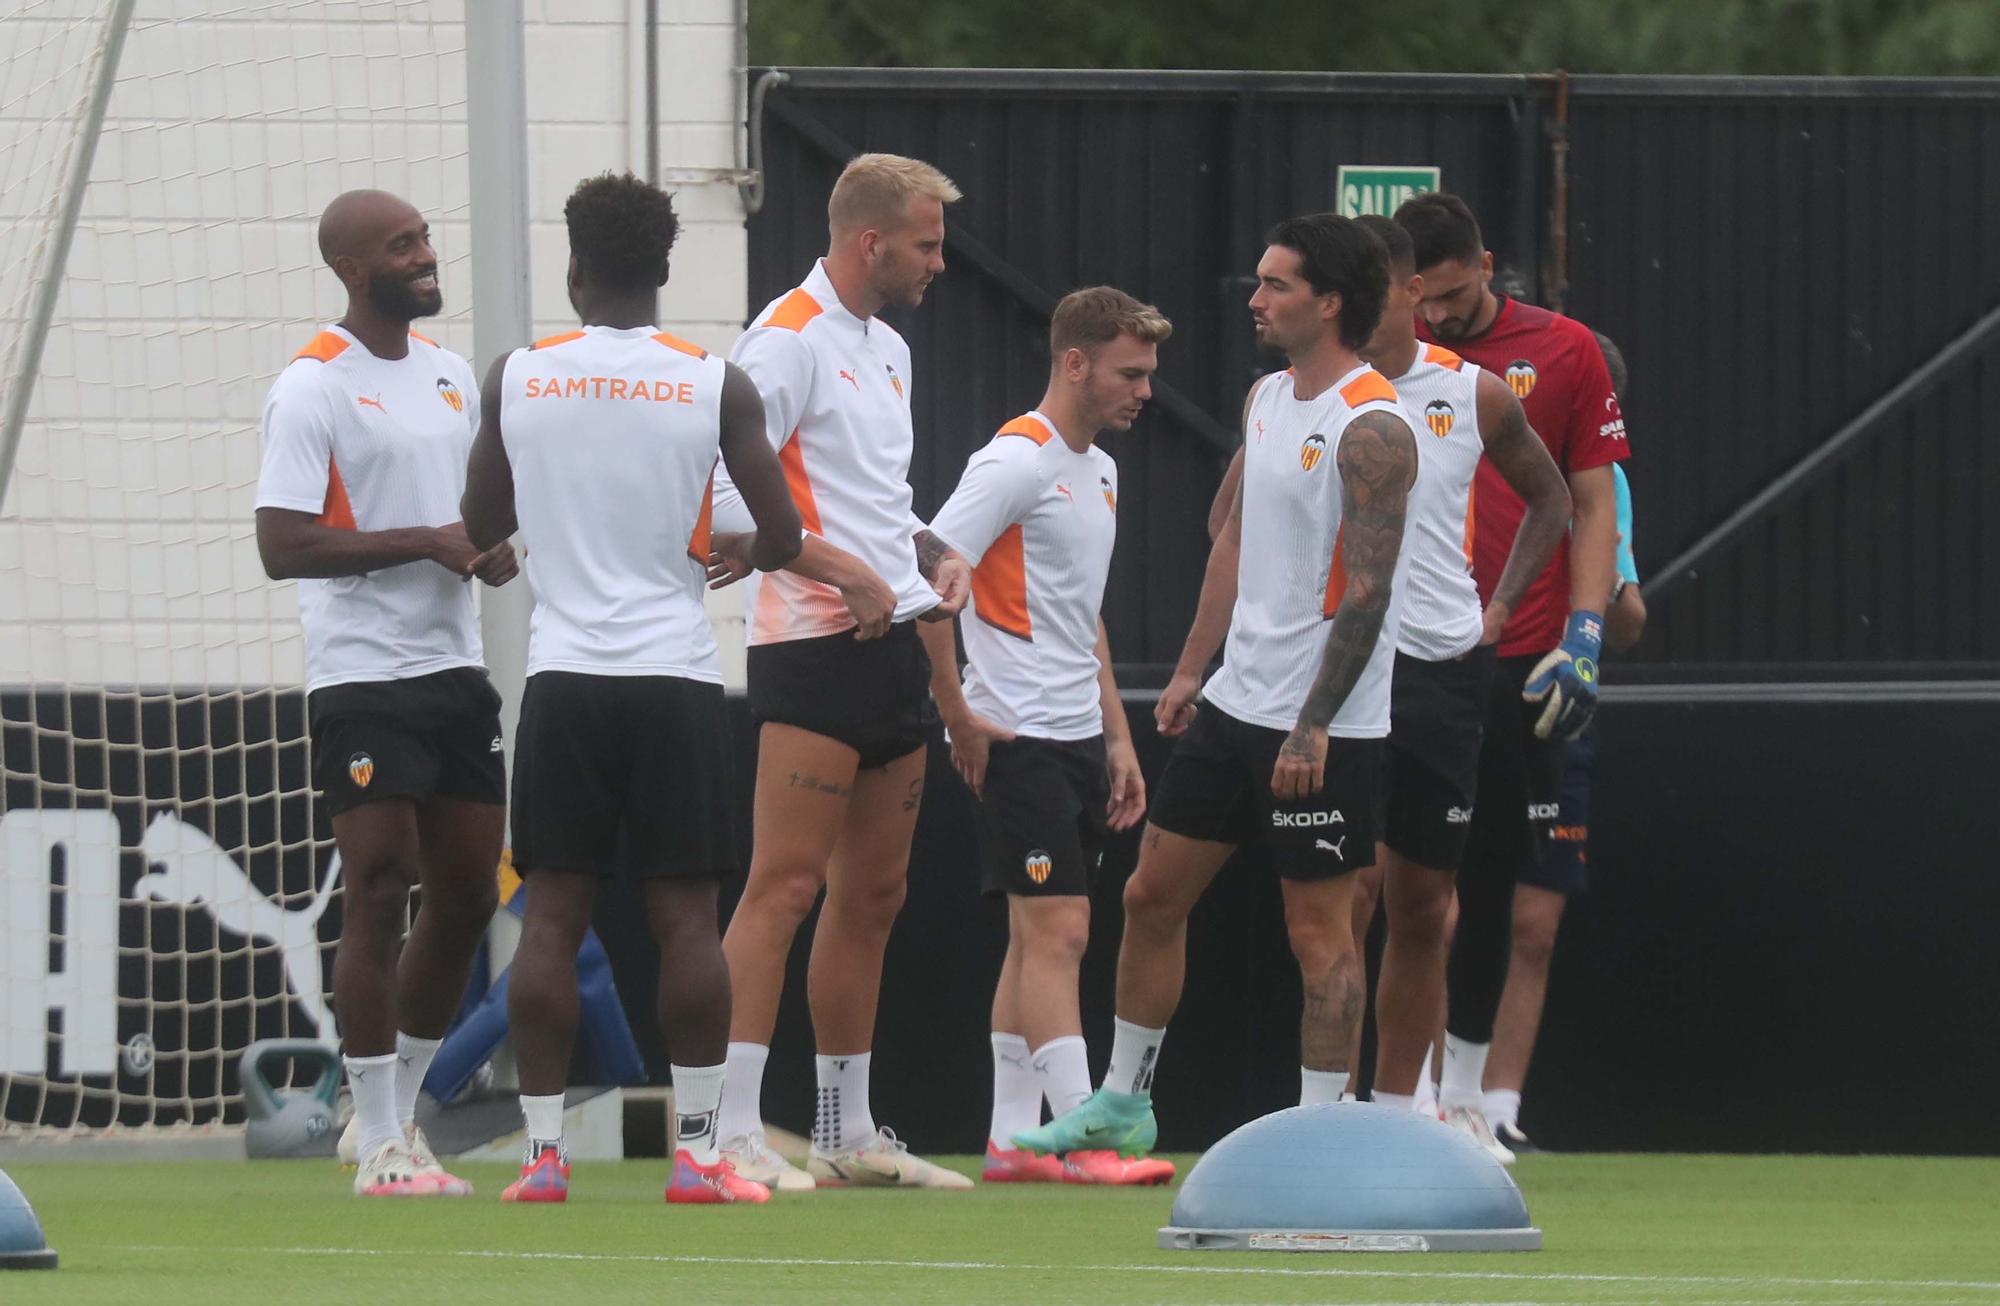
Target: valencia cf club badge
1438	415
1521	378
1110	498
1038	866
1312	451
361	769
449	393
895	381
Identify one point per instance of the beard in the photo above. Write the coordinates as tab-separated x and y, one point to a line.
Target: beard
395	298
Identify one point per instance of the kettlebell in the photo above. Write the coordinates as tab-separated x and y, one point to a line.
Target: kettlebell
289	1122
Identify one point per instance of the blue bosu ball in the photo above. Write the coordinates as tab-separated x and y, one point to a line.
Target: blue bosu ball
21	1244
1349	1177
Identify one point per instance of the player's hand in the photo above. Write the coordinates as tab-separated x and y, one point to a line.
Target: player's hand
1491	622
954	584
1301	768
497	565
452	549
729	557
1128	786
1566	680
1174	711
972	740
870	600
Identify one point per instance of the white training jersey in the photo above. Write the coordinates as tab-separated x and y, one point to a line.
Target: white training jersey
836	395
1037	521
1290	580
375	444
612	434
1441	612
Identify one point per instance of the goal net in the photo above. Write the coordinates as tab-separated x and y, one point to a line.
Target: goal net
167	891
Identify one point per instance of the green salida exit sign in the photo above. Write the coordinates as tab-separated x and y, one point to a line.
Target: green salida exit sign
1380	188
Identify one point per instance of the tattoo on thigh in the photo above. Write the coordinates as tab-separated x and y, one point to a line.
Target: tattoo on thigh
813	782
915	796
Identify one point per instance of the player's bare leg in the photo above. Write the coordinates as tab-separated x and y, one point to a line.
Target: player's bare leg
1410	991
1037	1032
804	782
1319	923
1173	872
542	1009
1537	916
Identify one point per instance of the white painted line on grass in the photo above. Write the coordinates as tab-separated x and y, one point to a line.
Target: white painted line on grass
883	1263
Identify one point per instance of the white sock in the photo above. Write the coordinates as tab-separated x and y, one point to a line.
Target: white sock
1017	1097
697	1107
1401	1101
1464	1069
1320	1086
1062	1070
413	1061
543	1116
373	1082
1350	1097
1503	1106
1427	1093
742	1112
842	1122
1135	1053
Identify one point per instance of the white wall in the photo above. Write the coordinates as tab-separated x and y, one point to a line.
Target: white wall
126	552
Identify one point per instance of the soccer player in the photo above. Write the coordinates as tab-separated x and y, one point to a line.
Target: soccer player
599	445
1462	414
839	682
1547	884
365	439
1037	730
1545	683
1286	748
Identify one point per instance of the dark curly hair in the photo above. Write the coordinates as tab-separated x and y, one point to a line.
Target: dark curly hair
1340	256
621	229
1442	229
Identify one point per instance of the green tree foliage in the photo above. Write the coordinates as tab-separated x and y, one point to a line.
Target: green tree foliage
1824	37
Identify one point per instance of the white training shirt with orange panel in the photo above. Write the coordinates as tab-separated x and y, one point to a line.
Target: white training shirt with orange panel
1290	579
374	444
836	393
1037	521
1441	611
612	434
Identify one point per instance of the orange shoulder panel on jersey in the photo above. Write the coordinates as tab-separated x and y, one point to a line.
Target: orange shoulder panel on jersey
1443	358
678	345
792	314
1027	428
338	512
563	339
324	347
1367	388
1000	586
418	335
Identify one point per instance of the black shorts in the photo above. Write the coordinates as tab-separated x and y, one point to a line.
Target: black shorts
1565	868
1041	816
1217	786
647	757
1430	772
428	736
874	695
1518	775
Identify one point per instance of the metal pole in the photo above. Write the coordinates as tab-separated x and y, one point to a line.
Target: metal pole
55	255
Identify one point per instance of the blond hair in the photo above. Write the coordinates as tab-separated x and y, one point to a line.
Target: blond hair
1098	315
875	190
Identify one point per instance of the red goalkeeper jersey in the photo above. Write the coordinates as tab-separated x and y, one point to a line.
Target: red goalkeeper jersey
1553	363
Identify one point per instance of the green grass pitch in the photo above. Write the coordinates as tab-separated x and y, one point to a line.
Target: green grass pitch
1680	1229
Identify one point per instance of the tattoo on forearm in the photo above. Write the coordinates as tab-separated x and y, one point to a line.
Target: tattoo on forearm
1378	464
930	552
1521	458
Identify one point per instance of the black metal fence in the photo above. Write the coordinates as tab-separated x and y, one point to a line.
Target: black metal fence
1775	256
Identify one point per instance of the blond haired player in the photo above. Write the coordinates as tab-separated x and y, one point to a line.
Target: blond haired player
1285	750
838	677
365	438
1037	729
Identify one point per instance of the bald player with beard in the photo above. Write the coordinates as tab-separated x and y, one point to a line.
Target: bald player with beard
365	440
